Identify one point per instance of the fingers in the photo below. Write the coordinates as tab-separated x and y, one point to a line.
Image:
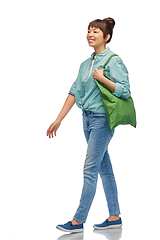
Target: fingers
95	72
50	132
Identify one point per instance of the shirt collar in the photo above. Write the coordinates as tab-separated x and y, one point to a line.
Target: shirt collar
100	55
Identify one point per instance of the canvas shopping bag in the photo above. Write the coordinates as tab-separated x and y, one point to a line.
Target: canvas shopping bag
118	111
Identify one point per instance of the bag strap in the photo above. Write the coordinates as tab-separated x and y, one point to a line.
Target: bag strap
108	60
106	63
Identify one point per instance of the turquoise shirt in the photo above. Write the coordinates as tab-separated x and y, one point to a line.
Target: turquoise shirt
86	91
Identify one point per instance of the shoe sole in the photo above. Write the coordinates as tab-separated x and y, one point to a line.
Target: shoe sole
108	227
66	230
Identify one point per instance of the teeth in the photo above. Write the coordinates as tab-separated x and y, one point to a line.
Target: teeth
91	40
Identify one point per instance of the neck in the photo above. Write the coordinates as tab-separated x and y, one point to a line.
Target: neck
99	49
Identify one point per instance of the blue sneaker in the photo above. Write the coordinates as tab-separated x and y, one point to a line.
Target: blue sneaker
69	227
106	224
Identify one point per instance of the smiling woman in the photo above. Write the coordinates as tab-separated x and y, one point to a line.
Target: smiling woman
96	40
85	93
106	26
99	33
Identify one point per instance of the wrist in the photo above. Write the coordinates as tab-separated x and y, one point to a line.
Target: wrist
109	84
103	79
59	120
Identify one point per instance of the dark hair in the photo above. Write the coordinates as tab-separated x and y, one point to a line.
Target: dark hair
106	26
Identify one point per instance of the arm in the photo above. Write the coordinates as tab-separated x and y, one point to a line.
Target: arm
70	101
119	80
119	74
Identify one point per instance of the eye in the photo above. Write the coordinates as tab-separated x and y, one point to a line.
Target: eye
95	32
88	31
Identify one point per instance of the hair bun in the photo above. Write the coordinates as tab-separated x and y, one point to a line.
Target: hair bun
111	21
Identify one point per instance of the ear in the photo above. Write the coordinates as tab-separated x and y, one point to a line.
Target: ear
107	37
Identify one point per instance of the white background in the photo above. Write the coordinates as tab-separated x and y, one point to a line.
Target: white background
42	45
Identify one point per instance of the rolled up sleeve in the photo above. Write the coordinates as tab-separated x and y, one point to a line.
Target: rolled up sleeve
73	89
119	75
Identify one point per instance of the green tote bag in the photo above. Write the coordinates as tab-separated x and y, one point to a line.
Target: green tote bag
118	111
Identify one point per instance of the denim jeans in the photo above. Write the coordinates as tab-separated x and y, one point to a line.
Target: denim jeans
98	136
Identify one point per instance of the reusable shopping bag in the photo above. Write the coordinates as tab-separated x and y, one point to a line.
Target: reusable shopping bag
118	111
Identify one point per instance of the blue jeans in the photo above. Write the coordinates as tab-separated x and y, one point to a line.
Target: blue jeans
98	136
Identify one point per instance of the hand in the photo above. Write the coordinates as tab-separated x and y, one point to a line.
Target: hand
98	74
53	128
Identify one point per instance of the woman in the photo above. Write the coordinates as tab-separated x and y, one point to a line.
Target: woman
86	94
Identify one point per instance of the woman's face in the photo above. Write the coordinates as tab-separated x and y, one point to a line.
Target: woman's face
95	38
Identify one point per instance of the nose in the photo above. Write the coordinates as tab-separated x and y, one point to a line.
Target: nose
90	34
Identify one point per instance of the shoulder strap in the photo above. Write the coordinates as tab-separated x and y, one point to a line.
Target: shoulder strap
108	60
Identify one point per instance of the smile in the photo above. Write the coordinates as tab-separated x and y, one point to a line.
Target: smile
91	40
